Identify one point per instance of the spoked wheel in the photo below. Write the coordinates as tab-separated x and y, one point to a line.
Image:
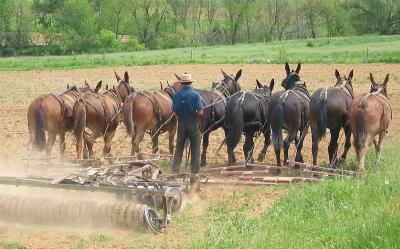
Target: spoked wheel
154	221
176	195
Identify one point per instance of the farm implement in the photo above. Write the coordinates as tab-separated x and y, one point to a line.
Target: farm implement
136	183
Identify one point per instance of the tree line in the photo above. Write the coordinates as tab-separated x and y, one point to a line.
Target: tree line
75	26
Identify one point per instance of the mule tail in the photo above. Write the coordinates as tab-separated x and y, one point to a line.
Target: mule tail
322	117
79	119
127	113
234	123
39	138
360	133
276	125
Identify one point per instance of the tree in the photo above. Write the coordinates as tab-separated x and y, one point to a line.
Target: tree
43	13
180	10
382	16
148	16
113	14
277	17
5	19
234	15
76	21
312	10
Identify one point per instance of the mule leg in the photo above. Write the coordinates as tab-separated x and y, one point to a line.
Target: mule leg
154	147
136	139
267	142
171	142
62	145
299	146
107	142
204	152
333	144
363	151
378	146
347	144
90	140
248	147
231	154
50	142
286	144
314	146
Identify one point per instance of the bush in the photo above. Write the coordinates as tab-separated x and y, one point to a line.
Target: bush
8	51
108	39
134	44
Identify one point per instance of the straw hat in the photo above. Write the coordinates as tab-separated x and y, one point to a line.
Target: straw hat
186	79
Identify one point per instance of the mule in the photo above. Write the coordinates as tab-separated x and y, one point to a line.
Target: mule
289	110
100	113
370	115
247	112
214	111
145	111
328	109
53	113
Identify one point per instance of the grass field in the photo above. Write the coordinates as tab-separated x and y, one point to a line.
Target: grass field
352	50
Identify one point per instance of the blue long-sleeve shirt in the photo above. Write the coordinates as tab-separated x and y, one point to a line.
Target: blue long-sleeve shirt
187	102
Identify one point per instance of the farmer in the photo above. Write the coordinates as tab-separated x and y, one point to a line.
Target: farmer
187	105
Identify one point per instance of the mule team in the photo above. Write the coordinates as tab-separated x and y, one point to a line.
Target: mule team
366	116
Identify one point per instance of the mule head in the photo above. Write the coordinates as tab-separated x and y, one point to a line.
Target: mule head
344	81
87	88
123	86
231	82
292	76
265	89
379	87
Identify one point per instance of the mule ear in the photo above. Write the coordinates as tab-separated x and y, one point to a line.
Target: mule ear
161	86
287	68
386	80
271	84
224	74
337	74
351	75
107	87
126	77
67	86
177	76
238	74
259	85
371	78
98	86
117	76
298	68
87	85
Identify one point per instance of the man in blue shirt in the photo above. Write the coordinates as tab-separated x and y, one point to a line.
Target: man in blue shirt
188	106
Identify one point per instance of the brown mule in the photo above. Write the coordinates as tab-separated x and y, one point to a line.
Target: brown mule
53	113
144	111
101	114
370	115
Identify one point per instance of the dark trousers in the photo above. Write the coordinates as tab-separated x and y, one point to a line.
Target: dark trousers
188	128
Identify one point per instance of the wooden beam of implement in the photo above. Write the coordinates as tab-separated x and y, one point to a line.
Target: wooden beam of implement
343	171
252	167
325	173
246	172
235	183
278	179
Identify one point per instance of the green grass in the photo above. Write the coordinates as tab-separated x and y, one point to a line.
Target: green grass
322	50
362	213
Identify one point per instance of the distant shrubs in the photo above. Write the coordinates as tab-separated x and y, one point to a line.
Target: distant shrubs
8	51
108	39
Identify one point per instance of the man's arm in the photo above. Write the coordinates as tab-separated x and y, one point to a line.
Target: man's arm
199	106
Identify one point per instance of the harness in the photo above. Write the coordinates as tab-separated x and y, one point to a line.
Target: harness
344	86
298	90
224	95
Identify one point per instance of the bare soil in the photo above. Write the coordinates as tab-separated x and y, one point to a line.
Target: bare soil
19	88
